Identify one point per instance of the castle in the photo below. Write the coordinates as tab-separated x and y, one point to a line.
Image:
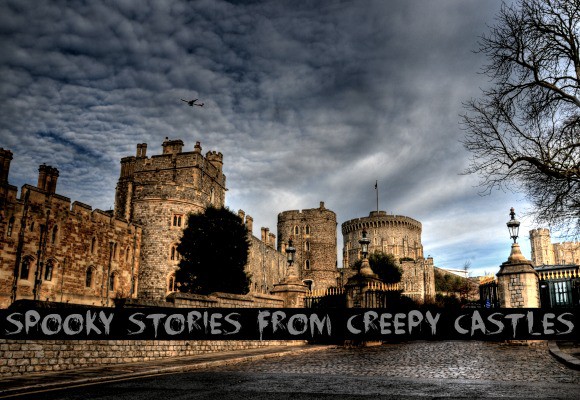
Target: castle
53	250
544	252
397	235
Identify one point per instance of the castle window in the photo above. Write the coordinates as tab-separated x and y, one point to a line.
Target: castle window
25	268
48	271
212	196
171	283
54	234
174	254
10	227
113	281
177	220
307	264
307	246
93	245
307	230
127	253
89	277
308	284
296	230
32	226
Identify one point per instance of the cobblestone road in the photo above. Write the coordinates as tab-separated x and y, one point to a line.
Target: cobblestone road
432	360
414	370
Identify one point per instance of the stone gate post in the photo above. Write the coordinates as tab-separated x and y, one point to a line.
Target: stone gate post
518	283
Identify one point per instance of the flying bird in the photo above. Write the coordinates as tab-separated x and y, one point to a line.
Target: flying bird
192	103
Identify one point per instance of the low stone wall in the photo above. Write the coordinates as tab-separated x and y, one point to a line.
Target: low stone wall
18	357
225	300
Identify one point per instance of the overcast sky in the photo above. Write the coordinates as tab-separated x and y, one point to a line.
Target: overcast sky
308	101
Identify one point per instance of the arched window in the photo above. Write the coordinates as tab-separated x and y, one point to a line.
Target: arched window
307	264
93	245
48	270
212	196
171	283
296	230
307	245
113	281
25	268
89	277
114	251
307	230
174	254
54	234
10	227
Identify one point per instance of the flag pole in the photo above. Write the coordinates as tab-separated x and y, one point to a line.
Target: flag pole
377	190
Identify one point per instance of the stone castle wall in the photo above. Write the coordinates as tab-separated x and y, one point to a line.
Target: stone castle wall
396	235
544	252
313	232
158	193
54	252
18	357
390	234
418	279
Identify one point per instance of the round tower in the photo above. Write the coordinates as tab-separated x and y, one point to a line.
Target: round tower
158	193
390	234
313	232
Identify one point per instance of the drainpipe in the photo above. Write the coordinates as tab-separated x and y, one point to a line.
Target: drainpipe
133	263
62	278
40	257
109	271
19	247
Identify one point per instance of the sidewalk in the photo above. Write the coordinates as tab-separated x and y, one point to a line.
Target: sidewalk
30	383
566	352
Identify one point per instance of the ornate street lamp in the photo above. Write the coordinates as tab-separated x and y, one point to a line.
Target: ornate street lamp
365	267
290	253
513	225
364	244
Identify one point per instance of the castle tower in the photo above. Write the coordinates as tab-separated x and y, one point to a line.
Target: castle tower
5	158
542	249
313	232
158	193
397	235
390	234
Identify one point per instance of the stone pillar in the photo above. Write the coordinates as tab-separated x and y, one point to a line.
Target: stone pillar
518	283
293	293
358	284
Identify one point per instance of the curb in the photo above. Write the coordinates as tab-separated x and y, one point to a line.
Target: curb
155	371
564	358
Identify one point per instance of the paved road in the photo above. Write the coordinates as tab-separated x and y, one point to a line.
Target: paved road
406	370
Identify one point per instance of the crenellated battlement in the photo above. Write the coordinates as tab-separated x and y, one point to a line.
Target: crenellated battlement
380	220
309	213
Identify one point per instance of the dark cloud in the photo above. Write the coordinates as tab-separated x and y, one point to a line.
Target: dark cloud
307	101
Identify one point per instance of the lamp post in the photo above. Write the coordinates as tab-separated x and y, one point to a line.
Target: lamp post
513	225
365	268
290	250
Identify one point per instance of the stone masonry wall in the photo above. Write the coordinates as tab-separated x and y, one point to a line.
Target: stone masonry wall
159	192
76	241
390	234
19	357
313	232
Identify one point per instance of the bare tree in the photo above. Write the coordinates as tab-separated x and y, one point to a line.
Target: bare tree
524	132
